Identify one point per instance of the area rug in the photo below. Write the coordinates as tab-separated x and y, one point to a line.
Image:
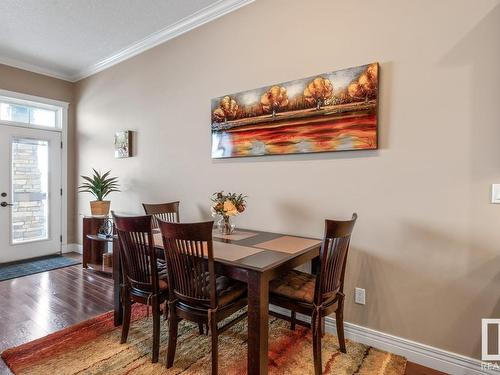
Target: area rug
93	347
30	267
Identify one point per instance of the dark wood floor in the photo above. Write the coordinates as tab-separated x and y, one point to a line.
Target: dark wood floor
34	306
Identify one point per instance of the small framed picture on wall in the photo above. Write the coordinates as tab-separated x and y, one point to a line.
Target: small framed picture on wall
123	144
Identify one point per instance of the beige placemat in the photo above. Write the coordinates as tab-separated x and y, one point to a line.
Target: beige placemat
222	250
235	236
232	252
288	244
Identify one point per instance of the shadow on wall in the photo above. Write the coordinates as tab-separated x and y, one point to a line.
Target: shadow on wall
451	271
482	298
355	154
480	301
289	211
445	273
204	211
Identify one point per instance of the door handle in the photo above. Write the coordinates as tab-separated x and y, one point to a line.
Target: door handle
5	204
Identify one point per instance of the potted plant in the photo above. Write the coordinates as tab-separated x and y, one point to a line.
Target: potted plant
99	185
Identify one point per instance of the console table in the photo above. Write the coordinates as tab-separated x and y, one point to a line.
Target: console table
95	248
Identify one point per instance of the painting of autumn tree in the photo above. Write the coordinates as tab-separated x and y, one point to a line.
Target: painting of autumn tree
334	111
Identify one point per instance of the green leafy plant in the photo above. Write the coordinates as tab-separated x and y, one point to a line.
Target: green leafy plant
99	185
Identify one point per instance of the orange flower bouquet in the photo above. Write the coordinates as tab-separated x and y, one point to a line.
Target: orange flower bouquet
227	206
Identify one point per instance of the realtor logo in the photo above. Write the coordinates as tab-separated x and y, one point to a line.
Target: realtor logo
490	339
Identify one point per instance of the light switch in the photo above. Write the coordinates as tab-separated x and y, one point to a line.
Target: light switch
495	193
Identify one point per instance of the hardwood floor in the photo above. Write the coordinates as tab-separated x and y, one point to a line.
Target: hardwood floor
36	305
414	369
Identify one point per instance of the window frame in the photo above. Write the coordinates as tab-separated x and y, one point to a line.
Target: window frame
34	102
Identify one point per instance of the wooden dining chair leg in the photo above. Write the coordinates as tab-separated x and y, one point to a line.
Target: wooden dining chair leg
127	312
339	319
200	328
316	347
156	329
292	320
215	346
166	310
172	338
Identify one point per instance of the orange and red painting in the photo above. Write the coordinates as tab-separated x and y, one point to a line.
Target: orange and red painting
334	111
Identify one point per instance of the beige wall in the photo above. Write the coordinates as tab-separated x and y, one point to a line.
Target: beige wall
427	244
25	82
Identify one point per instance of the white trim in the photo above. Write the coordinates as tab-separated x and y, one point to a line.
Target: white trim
425	355
64	151
33	98
35	68
64	178
72	248
186	24
29	126
201	17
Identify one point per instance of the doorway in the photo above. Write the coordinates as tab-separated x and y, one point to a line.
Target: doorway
30	192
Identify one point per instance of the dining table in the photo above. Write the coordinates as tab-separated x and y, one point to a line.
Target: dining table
255	258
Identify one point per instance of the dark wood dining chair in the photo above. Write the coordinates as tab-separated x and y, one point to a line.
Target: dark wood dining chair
164	211
142	283
318	295
196	293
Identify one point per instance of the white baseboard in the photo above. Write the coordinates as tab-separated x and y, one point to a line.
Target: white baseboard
425	355
72	247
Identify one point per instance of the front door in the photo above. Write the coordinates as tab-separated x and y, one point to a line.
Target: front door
30	193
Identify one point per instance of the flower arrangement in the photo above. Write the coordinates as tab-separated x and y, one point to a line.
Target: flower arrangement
227	205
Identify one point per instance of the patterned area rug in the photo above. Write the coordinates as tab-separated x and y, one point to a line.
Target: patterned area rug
93	347
30	267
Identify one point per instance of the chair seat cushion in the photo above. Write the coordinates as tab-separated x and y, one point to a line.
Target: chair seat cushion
161	267
229	290
163	284
295	285
162	274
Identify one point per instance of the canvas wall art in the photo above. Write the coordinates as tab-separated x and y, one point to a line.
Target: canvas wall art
334	111
123	144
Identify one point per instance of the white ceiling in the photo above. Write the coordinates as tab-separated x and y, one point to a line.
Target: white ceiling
72	39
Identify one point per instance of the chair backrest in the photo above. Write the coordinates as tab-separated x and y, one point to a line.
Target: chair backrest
137	253
190	262
333	257
163	211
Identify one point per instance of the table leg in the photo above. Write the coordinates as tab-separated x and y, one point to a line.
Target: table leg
258	323
315	265
117	281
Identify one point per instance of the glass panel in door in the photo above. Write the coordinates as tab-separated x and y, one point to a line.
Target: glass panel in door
29	190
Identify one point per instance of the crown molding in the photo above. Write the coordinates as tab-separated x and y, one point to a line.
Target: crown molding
186	24
35	69
201	17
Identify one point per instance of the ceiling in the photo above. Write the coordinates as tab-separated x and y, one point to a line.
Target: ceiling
72	39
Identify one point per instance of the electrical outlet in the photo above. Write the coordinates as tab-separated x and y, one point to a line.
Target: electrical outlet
359	296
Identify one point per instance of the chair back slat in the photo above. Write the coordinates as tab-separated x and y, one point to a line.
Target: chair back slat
137	252
333	257
163	211
190	262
